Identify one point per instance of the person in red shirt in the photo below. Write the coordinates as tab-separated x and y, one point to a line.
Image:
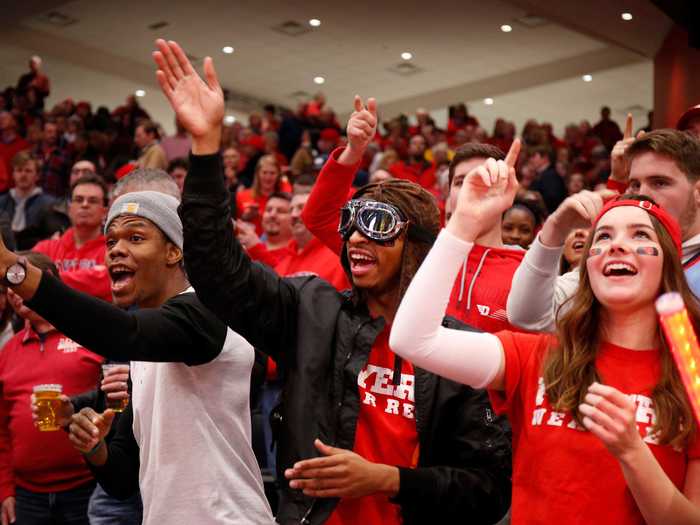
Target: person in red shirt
481	290
80	252
277	225
10	144
603	429
37	467
415	168
251	202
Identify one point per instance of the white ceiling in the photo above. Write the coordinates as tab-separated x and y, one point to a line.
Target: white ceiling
457	44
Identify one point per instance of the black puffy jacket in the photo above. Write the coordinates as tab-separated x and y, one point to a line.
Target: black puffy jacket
323	341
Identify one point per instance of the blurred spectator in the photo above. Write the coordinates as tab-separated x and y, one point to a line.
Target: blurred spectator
144	179
151	154
26	205
573	250
35	82
607	130
177	169
415	168
82	168
690	121
575	182
547	182
178	145
43	479
79	254
520	224
268	180
277	228
10	144
272	148
55	161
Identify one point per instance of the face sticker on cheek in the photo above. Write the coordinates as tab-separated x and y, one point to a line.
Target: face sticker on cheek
648	250
595	251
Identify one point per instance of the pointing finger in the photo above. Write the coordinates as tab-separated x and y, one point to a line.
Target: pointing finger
628	126
513	153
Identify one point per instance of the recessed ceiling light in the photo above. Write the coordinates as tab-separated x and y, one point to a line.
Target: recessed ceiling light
314	22
140	93
626	16
406	55
587	78
488	101
227	49
506	28
319	80
229	119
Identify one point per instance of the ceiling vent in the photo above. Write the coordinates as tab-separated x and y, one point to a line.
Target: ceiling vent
158	25
292	28
405	69
532	21
301	95
56	18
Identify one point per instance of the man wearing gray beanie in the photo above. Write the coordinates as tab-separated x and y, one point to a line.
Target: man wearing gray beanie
190	374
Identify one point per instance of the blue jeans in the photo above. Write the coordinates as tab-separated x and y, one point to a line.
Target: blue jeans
106	510
53	508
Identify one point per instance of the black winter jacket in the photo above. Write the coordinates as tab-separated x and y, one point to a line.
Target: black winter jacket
323	341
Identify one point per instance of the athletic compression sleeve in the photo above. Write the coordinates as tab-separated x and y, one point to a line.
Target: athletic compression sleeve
470	358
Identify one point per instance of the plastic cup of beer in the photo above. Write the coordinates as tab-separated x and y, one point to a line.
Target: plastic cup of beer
117	405
48	404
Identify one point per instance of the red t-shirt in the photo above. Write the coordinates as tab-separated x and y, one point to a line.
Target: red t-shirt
80	268
34	460
385	433
561	472
422	173
313	259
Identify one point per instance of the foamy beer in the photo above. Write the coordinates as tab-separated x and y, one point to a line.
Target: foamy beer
47	404
117	405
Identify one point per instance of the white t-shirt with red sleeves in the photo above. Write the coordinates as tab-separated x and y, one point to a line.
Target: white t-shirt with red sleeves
561	472
385	433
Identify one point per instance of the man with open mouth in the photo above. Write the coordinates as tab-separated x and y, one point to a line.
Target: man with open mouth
185	439
363	436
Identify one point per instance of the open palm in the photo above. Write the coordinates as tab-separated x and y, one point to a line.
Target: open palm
199	105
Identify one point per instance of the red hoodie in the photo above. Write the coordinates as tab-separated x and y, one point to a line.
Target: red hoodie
34	460
81	268
480	294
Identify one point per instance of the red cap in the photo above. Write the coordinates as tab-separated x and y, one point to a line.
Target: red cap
686	117
125	170
330	134
668	222
255	141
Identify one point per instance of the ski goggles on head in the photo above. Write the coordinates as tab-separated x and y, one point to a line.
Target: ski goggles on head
378	221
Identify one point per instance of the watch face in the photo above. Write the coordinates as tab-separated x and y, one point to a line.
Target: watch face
16	274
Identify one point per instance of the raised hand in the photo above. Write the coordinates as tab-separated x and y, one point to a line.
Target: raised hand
619	167
198	105
487	191
63	414
361	129
577	211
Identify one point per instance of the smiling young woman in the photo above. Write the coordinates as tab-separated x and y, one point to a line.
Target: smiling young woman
602	429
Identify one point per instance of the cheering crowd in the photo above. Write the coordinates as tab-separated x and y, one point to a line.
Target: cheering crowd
315	325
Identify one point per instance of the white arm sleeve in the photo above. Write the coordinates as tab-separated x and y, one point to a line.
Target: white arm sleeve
537	290
471	358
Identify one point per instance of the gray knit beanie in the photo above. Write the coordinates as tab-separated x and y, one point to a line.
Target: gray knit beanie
157	207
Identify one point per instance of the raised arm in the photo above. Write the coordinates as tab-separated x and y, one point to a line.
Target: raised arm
322	211
537	290
475	359
250	299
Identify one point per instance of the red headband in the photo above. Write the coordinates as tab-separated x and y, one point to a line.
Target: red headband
669	223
